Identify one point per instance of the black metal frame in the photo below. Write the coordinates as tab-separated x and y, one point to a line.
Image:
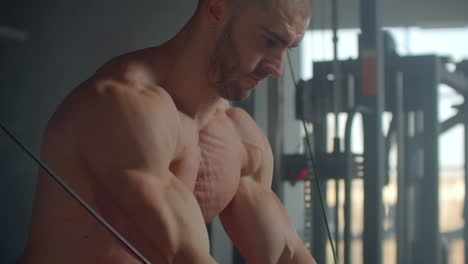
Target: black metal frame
412	97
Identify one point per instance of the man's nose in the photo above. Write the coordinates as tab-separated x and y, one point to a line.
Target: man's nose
275	66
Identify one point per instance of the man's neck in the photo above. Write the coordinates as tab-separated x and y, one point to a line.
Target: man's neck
186	78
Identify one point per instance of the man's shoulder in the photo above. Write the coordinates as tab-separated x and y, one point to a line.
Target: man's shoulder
115	91
125	85
108	114
126	79
101	106
101	96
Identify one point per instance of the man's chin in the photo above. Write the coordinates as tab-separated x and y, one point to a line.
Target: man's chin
239	97
240	91
242	98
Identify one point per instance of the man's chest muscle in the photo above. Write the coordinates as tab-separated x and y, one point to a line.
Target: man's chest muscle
211	165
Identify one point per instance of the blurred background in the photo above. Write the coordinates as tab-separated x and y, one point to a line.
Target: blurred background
380	84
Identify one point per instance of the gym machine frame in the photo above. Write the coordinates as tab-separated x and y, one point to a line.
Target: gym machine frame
412	99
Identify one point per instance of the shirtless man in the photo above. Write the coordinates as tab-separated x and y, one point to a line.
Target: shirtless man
152	144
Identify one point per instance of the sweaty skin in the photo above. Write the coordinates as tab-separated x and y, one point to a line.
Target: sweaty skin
151	143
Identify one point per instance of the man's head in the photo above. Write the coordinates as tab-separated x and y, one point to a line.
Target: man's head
251	40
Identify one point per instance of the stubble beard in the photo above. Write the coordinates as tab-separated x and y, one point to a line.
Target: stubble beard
225	64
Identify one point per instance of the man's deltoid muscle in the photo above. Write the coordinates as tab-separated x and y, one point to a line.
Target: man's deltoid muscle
152	144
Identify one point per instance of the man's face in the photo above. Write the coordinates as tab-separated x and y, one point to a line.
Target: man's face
253	46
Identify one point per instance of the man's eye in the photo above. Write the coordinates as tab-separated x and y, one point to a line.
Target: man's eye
271	43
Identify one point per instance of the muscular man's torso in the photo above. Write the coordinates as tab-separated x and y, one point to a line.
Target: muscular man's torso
211	161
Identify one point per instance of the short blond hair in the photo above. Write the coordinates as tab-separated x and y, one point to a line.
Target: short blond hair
304	5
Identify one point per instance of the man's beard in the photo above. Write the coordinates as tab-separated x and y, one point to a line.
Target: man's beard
225	64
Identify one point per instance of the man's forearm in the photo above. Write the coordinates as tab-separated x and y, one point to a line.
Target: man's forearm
302	256
194	258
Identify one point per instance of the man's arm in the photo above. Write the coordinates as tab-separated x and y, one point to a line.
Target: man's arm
258	223
128	139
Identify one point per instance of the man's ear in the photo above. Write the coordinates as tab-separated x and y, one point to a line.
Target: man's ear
218	10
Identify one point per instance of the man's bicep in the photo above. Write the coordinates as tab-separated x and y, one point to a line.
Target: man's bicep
164	211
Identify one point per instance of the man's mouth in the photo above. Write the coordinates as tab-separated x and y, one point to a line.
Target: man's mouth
258	76
255	78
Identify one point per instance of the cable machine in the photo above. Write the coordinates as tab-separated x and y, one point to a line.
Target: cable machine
380	81
412	99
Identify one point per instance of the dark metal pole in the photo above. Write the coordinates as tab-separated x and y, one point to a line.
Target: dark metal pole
337	216
347	205
463	113
348	180
336	73
372	80
402	230
373	184
430	202
336	110
428	246
465	209
410	171
319	229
